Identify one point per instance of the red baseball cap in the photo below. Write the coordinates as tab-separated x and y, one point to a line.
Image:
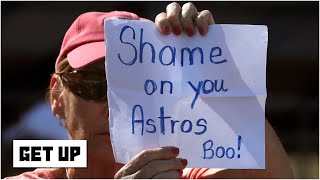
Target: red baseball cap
84	43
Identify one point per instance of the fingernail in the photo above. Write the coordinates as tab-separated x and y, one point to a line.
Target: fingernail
177	30
180	171
165	29
175	150
184	162
201	31
189	32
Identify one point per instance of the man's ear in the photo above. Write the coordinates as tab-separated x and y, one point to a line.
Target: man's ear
56	97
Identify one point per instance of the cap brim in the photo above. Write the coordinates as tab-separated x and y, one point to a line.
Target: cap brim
86	54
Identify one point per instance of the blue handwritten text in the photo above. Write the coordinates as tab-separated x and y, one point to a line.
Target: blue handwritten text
150	125
128	38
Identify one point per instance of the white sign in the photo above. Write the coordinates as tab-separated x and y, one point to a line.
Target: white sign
205	95
49	153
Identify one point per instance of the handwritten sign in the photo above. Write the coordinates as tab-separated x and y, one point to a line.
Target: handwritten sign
205	95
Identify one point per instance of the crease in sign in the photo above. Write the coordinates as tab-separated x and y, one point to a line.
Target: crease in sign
235	54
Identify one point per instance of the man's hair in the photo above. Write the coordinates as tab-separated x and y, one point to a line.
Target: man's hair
62	67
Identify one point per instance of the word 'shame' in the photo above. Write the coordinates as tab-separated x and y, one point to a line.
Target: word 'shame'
214	55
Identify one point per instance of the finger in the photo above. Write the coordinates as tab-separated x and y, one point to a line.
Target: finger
204	19
158	166
173	15
146	156
163	23
168	175
188	15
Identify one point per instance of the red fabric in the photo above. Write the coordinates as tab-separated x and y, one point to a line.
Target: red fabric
36	174
188	173
199	173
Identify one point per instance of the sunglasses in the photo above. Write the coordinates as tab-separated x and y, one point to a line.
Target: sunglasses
88	85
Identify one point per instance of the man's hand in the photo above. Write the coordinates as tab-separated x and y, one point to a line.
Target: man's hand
155	163
187	18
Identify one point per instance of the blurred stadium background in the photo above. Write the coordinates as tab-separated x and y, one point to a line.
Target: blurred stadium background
31	34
